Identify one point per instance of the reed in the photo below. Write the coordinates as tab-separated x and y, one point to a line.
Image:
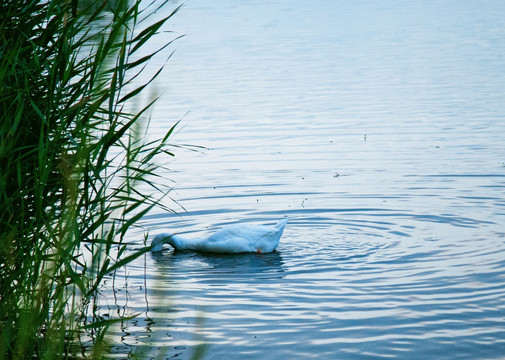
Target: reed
72	159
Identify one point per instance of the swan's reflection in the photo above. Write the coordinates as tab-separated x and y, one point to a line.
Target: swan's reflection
196	297
239	267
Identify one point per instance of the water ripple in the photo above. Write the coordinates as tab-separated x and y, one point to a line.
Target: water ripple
378	130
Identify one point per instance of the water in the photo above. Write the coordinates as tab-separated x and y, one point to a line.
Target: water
377	128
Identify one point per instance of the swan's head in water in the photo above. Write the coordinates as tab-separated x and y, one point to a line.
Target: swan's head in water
159	240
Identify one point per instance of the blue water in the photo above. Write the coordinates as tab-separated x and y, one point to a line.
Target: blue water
378	129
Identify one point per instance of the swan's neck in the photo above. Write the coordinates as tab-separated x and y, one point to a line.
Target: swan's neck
175	241
160	240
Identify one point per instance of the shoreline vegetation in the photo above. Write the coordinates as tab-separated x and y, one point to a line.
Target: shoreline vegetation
72	159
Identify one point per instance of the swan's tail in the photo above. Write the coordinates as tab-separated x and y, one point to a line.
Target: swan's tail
281	223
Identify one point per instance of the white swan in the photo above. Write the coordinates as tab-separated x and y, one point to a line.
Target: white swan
230	239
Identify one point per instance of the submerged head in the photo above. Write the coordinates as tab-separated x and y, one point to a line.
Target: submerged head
159	240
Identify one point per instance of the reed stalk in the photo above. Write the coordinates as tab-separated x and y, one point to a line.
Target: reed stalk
72	160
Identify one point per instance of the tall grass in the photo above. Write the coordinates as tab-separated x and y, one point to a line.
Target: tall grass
72	158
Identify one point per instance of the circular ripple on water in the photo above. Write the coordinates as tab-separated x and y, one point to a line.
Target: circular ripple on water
355	294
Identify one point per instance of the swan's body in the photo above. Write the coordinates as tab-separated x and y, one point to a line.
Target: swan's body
230	239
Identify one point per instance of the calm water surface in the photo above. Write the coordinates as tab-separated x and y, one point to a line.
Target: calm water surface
378	129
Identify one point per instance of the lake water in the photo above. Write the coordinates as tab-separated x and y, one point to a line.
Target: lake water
378	129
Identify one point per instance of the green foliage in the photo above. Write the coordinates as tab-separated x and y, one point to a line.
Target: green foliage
72	159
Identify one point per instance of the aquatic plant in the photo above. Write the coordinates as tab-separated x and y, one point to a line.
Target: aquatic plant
74	165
